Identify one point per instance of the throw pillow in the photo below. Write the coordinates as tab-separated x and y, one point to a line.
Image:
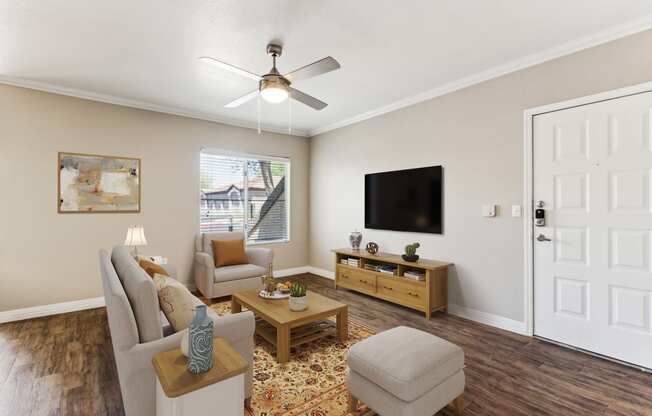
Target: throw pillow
176	301
152	268
229	252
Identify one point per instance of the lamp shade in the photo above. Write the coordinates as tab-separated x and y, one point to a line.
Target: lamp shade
136	236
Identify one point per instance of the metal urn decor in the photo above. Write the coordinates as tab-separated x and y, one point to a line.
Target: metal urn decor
372	248
411	252
200	345
355	238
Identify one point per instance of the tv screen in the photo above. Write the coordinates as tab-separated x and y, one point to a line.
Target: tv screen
405	200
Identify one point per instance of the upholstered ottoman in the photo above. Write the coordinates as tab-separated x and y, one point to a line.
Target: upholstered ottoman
406	372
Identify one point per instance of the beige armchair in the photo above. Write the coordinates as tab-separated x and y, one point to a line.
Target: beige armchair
215	282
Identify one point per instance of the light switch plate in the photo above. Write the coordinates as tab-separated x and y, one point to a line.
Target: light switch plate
517	211
489	210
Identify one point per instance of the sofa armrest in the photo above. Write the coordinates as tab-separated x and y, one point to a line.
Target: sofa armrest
235	327
204	273
260	256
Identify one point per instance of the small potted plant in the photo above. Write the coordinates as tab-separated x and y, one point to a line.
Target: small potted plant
298	299
411	252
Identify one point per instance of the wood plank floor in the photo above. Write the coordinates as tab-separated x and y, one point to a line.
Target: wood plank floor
63	365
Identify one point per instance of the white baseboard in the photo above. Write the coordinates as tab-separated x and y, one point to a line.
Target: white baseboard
290	272
78	305
461	311
488	319
321	272
53	309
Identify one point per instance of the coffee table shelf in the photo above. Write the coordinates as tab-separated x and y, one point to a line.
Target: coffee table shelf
298	336
285	328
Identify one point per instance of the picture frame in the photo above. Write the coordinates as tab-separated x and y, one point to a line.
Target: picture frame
92	183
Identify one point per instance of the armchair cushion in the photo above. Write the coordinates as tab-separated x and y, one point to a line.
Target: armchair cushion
260	256
240	271
229	252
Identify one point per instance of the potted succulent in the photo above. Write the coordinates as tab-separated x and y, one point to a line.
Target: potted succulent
298	299
411	252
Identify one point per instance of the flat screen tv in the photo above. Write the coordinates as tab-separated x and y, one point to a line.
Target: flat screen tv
405	200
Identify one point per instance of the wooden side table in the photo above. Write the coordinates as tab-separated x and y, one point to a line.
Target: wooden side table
181	393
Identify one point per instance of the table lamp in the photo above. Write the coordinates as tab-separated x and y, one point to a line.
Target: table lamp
135	238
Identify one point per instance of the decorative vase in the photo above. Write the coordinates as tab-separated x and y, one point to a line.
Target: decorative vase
200	342
270	286
412	258
355	238
299	303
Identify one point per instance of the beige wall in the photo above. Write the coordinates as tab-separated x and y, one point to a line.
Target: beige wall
47	257
477	135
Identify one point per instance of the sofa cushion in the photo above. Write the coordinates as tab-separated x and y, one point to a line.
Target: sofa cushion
140	291
152	268
177	303
241	271
405	361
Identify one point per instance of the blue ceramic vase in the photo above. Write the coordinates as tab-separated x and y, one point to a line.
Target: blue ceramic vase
200	342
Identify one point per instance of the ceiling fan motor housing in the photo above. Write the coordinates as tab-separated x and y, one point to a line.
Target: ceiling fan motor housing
274	81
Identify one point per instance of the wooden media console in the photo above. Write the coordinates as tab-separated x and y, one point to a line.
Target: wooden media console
428	295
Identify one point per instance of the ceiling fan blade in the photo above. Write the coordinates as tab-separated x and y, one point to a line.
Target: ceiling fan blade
228	67
239	101
322	66
308	100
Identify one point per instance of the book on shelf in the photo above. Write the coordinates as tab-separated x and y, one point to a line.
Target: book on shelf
414	275
387	269
354	262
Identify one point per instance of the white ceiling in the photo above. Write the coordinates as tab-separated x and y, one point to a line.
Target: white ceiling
144	52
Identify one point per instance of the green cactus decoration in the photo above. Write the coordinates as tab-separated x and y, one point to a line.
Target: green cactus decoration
298	290
411	249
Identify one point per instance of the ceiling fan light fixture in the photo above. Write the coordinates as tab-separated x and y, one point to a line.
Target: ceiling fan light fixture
274	90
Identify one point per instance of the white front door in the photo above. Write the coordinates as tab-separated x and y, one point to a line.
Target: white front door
593	279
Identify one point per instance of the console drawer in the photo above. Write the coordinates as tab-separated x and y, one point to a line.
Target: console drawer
356	279
404	292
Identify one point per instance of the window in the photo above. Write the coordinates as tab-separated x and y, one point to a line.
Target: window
245	193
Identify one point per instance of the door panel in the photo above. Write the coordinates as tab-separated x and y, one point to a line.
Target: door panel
593	279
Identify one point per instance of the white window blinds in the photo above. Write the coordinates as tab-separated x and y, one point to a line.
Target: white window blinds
245	194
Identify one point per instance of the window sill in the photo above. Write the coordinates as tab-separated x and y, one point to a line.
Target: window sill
265	243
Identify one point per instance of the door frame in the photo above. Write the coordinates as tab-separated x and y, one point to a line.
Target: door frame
528	185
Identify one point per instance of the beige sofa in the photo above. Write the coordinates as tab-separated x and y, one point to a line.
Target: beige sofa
139	330
214	282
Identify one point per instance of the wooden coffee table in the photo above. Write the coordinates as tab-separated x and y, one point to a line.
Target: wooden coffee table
293	328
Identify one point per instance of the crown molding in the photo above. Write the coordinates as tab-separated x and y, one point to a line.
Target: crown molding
568	48
141	105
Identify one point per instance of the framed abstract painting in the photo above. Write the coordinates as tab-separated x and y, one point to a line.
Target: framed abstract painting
96	183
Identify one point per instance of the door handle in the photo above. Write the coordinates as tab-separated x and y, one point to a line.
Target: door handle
542	237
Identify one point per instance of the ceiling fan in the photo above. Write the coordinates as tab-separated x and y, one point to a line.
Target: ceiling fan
274	87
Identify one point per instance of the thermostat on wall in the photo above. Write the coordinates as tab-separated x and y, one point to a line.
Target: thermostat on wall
489	210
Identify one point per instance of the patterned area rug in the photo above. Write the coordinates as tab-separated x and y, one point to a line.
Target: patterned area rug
313	383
